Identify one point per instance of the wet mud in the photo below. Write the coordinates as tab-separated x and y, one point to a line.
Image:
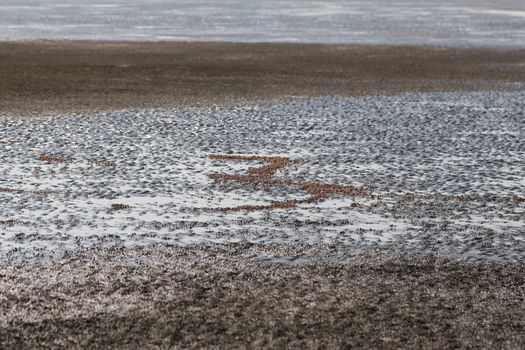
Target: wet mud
233	296
428	173
46	77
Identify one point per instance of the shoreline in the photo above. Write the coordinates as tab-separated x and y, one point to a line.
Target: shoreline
51	77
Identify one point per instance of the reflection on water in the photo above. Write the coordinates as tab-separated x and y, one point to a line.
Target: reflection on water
450	22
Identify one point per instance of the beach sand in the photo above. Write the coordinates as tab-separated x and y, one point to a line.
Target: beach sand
240	295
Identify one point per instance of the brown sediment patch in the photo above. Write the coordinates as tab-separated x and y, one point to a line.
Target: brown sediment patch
515	199
463	198
262	176
251	179
11	190
275	163
7	222
326	190
54	159
319	191
119	206
40	192
19	190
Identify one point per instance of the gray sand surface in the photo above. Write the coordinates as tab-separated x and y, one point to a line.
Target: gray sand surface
429	173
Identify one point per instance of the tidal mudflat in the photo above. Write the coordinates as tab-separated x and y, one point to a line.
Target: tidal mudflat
430	173
258	195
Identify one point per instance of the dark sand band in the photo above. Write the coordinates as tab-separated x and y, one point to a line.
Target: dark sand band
63	76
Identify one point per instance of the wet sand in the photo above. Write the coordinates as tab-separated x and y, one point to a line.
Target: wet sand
225	296
239	294
47	77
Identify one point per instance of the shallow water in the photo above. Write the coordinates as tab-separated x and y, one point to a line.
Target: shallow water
444	171
447	22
